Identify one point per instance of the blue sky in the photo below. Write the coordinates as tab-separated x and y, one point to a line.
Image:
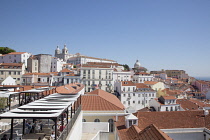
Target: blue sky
163	34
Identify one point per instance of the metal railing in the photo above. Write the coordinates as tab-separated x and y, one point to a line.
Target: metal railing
69	126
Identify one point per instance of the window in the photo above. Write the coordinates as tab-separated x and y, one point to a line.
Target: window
139	95
124	102
139	102
171	108
130	123
128	102
124	95
14	72
10	72
133	94
166	108
2	72
111	125
83	120
134	102
96	120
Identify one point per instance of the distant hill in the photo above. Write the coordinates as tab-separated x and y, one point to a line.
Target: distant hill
6	50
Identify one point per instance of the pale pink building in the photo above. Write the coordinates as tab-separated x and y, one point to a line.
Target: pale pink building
201	85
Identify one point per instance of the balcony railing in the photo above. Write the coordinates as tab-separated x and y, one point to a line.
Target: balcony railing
69	126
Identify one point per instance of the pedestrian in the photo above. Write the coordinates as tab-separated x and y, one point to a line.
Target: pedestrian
44	137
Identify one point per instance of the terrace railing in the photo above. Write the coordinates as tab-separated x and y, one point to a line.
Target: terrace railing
69	126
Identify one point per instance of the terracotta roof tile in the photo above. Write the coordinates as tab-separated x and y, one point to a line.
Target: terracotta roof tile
43	74
150	82
72	88
168	97
65	70
169	120
17	53
101	100
11	65
152	132
141	73
187	104
141	85
127	83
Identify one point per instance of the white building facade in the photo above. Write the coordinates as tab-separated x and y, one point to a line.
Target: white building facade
97	77
81	59
141	77
121	75
57	64
15	57
134	96
166	103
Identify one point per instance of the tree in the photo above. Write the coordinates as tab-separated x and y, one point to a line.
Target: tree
6	50
126	67
3	102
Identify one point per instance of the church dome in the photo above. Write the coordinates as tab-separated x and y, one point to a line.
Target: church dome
137	64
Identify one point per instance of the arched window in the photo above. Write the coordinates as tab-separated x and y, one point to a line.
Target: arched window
83	120
96	120
111	125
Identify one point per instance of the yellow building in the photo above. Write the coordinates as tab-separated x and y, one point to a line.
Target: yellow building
15	70
100	106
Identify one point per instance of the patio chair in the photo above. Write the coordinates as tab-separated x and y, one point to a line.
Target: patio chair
19	135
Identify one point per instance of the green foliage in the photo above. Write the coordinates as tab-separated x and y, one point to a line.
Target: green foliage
74	66
3	102
6	50
126	67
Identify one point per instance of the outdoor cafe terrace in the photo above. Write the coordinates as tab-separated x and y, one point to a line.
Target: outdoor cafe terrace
58	110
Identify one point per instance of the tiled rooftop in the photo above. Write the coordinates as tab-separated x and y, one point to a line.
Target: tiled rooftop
141	85
72	88
174	119
151	122
187	104
127	83
150	82
100	100
17	53
66	70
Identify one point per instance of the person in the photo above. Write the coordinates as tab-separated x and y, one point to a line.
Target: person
44	137
52	137
39	138
41	125
28	125
4	137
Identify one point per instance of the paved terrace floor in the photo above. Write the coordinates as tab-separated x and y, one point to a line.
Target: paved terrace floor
47	129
